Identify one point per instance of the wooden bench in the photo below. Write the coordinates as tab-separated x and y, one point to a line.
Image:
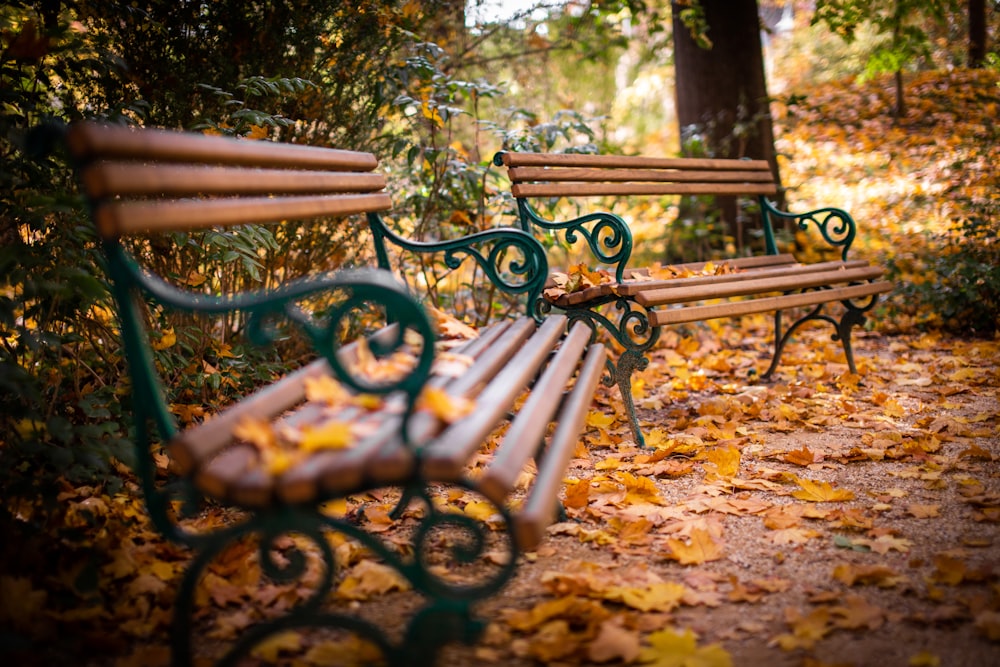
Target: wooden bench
771	281
355	420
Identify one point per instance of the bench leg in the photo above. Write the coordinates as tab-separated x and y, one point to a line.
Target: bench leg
853	316
446	617
637	336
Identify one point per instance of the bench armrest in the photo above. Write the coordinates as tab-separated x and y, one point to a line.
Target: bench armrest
607	236
351	290
835	225
513	260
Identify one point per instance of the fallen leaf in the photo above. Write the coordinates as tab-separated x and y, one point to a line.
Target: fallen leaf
668	648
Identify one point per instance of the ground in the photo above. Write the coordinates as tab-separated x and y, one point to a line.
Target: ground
819	518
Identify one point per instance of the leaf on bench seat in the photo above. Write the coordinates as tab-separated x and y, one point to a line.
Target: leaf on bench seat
450	327
579	278
443	405
659	272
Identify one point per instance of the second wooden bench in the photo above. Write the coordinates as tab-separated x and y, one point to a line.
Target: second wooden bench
648	300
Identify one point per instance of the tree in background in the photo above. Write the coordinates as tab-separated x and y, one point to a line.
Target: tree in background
903	26
722	99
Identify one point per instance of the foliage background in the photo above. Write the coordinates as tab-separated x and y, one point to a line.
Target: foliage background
434	97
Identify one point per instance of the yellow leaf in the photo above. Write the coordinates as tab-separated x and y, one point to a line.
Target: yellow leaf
257	432
668	648
325	389
167	339
444	406
701	549
879	575
725	459
597	419
368	578
663	596
639	489
331	435
283	642
820	492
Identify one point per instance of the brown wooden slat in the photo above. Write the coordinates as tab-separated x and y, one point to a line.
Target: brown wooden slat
446	457
747	287
640	286
119	218
584	175
522	190
90	139
527	430
128	178
663	317
234	475
386	466
539	509
198	444
625	161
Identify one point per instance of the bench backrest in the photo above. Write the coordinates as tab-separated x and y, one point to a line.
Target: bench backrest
202	181
573	175
146	182
570	175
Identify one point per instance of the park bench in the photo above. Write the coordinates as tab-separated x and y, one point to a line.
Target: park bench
359	418
647	300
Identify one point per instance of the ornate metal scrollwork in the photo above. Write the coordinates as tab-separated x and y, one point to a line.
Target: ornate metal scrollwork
446	617
853	316
636	336
609	239
525	272
835	225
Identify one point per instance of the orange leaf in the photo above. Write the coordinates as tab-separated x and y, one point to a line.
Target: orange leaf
820	492
701	549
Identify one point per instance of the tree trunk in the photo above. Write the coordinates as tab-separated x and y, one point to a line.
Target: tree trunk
977	33
723	90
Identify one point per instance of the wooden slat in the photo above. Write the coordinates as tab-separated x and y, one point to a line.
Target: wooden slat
747	287
128	178
446	457
641	286
235	476
583	175
538	510
118	218
522	190
385	466
198	444
663	317
625	161
90	139
527	430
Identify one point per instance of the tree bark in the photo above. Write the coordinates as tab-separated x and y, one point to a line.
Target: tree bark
977	33
723	89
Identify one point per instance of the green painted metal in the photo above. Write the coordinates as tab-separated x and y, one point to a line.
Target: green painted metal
632	331
492	249
606	234
835	225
